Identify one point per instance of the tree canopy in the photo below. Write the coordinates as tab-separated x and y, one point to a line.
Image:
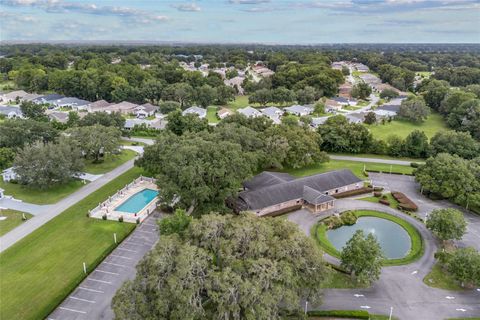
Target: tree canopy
447	224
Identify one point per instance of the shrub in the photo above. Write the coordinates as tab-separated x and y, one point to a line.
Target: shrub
104	216
352	192
384	201
414	164
88	214
348	218
138	220
378	189
352	314
120	219
377	194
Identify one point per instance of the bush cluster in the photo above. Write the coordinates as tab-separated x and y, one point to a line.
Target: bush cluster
346	218
351	314
377	194
384	201
353	192
404	202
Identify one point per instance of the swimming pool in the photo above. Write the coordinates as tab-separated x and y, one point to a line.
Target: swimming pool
138	201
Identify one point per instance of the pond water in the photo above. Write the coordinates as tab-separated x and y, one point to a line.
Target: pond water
393	239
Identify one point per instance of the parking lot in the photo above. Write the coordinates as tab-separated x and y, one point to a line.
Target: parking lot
92	298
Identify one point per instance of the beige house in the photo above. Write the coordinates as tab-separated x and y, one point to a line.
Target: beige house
273	193
123	107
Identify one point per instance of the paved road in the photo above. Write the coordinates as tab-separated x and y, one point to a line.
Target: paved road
147	141
92	298
48	212
401	287
375	160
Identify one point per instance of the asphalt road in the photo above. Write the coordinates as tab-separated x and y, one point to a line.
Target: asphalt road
375	160
402	287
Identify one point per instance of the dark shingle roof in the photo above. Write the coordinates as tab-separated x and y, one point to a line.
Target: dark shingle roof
314	196
390	107
266	179
294	189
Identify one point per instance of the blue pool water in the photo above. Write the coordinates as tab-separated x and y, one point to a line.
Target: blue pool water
138	201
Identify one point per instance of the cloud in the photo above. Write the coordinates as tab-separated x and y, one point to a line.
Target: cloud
188	7
249	1
59	6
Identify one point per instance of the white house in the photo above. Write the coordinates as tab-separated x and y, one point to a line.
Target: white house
9	174
200	112
223	113
74	103
273	113
145	110
12	97
11	112
250	112
299	110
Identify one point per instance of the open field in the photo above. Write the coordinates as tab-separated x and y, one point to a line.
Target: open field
110	162
37	196
14	218
212	114
356	167
416	249
402	128
41	269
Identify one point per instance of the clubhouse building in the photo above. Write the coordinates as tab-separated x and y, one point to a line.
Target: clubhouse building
273	193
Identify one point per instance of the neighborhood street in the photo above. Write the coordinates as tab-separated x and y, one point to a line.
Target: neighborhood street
374	160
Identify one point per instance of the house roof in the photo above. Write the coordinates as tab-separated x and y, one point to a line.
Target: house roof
147	107
72	101
100	104
124	105
223	111
294	189
196	110
59	116
299	109
390	107
249	112
341	99
355	117
331	103
6	110
14	94
267	178
272	112
31	96
50	97
313	196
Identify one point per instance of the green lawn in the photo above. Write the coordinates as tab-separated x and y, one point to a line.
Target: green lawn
390	198
239	102
41	269
14	218
7	84
37	196
110	162
212	114
355	166
439	278
402	128
377	156
416	250
340	280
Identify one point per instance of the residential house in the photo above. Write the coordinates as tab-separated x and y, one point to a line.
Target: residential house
360	67
11	112
387	110
58	116
9	174
273	113
332	105
123	107
71	102
299	110
318	121
202	113
235	82
223	113
145	110
250	112
14	96
345	90
157	124
98	106
48	98
344	101
272	193
355	117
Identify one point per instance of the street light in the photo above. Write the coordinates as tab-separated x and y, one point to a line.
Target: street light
306	306
391	311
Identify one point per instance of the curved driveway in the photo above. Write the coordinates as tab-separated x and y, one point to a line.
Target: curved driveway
400	287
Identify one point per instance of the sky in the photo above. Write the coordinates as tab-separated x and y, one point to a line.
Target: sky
243	21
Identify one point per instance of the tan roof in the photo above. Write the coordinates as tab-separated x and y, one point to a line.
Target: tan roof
100	104
122	106
223	111
14	94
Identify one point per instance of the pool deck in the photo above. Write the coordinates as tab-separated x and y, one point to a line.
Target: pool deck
107	208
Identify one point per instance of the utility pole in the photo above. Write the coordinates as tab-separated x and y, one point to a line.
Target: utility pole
306	306
391	311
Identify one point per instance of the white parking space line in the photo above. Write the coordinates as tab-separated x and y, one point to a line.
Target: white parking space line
115	264
107	272
117	256
101	281
80	299
72	310
91	290
129	250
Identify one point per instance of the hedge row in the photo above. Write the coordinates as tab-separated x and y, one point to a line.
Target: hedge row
350	193
352	314
384	201
404	202
393	172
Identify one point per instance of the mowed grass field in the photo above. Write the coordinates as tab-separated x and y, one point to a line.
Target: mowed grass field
212	114
38	196
14	218
41	269
402	128
356	167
